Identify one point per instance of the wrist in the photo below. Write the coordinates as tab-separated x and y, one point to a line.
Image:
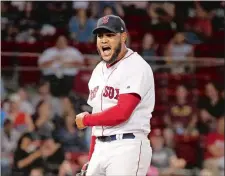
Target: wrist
37	153
85	120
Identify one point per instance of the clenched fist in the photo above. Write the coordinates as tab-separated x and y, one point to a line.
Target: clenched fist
79	120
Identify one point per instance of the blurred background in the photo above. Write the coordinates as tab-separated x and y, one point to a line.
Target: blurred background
48	53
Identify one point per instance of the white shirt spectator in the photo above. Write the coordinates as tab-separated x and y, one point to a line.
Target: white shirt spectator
8	145
26	107
180	52
80	4
56	108
69	54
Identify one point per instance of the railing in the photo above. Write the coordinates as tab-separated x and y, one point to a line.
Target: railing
154	61
17	70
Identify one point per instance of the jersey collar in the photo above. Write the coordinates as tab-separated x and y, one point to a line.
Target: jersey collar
129	52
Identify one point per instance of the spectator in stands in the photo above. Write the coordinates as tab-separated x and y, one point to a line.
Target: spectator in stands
80	27
148	45
27	156
110	7
25	105
3	90
201	25
53	156
211	107
161	15
205	172
164	158
181	117
42	119
218	16
10	33
4	17
214	155
45	94
27	24
5	107
54	13
179	50
80	5
213	103
37	172
59	66
21	121
136	4
71	139
9	139
68	105
3	117
107	11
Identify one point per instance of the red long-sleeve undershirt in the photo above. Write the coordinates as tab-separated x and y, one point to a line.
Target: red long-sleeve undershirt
112	116
92	146
116	114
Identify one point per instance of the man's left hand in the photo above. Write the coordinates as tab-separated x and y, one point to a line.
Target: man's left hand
79	120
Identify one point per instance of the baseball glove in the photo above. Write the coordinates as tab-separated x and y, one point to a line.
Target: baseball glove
83	170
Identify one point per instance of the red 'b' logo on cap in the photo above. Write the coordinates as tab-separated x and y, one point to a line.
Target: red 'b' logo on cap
105	19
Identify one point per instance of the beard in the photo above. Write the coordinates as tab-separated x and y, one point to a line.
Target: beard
114	56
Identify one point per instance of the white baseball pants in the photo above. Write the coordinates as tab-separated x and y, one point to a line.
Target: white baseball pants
124	157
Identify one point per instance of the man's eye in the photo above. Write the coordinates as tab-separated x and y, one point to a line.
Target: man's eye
100	35
110	35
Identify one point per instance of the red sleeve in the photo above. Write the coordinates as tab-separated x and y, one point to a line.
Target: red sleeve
116	114
92	146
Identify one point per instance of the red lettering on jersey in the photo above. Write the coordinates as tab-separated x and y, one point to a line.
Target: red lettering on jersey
106	92
111	92
117	94
93	92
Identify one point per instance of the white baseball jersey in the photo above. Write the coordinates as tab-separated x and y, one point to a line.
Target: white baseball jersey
132	74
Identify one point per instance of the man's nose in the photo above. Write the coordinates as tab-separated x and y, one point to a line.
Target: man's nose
104	39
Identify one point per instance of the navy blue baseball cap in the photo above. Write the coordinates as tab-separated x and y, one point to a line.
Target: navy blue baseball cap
111	23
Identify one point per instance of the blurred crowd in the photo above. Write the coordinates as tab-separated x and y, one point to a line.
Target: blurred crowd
34	21
30	21
38	135
192	134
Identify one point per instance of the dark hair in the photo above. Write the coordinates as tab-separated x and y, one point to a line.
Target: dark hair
25	135
214	84
42	83
36	114
107	6
7	122
72	100
182	85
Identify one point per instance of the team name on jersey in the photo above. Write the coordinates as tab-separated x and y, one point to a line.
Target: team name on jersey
108	91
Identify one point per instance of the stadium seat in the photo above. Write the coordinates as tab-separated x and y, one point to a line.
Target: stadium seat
186	147
28	76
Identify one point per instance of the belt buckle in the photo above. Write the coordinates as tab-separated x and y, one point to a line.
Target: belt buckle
108	139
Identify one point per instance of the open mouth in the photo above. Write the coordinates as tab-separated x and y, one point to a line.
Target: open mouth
106	50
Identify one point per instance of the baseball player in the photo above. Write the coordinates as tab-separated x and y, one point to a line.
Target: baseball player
122	95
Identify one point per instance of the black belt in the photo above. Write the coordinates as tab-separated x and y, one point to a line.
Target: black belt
113	137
